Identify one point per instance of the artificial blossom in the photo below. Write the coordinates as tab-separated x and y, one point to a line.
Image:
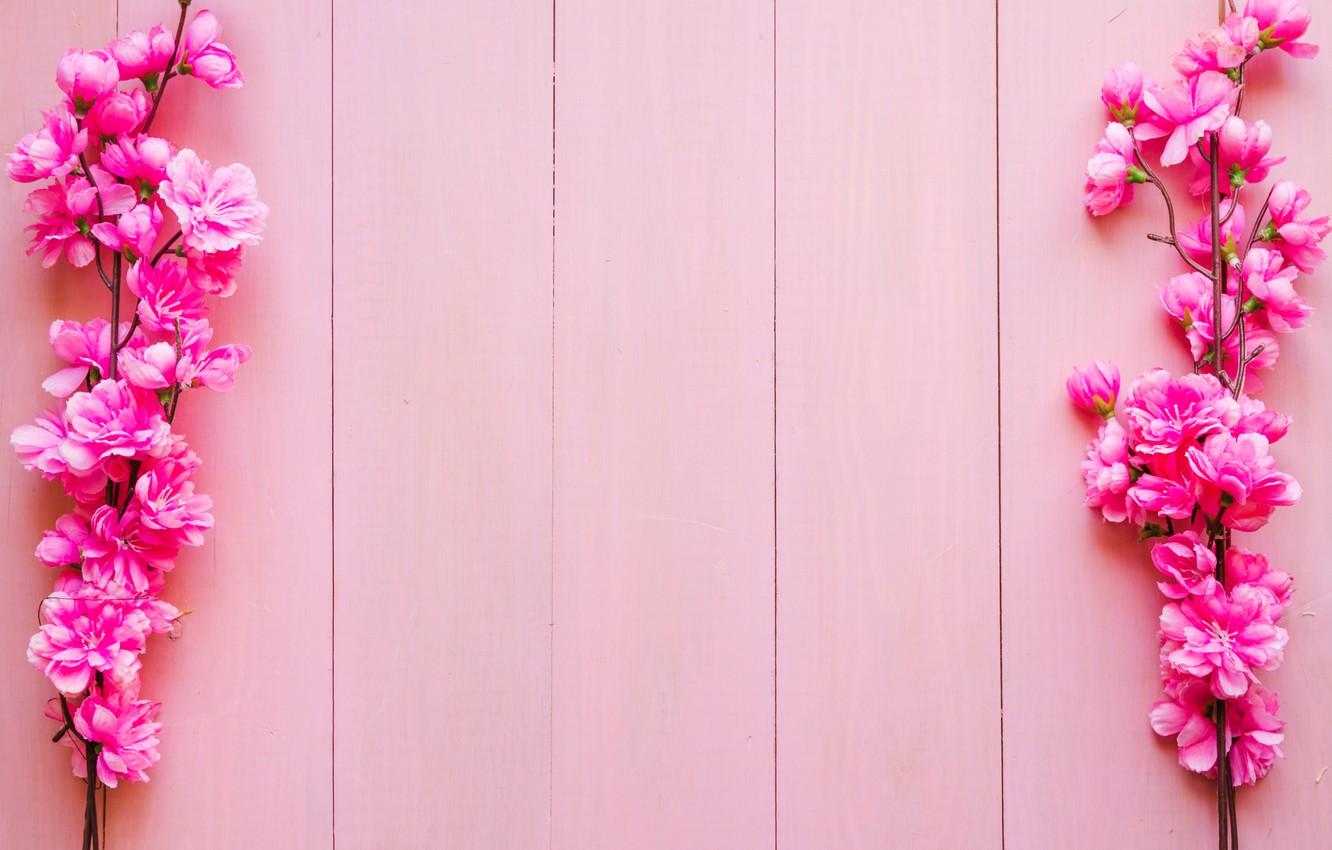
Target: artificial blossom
1187	458
168	228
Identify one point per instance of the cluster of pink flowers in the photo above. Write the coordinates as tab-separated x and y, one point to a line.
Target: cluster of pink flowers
1187	458
113	195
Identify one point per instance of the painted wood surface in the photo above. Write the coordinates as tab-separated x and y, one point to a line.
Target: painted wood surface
650	402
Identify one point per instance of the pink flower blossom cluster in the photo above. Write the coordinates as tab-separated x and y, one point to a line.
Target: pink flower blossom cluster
1187	457
171	229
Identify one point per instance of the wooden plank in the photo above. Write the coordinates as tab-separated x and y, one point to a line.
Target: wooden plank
1080	649
443	434
663	644
888	633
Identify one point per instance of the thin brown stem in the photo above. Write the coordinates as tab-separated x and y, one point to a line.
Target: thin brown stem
170	69
1173	239
1218	263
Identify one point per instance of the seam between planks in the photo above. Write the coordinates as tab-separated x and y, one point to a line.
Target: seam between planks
999	424
550	693
775	793
333	432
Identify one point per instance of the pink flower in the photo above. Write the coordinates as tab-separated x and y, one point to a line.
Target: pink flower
119	112
1255	418
1184	111
85	347
38	446
87	76
1275	287
168	504
81	636
1094	388
212	368
218	210
1121	92
66	212
1282	22
1299	238
121	549
1107	474
1168	414
1243	148
1238	473
160	615
141	54
52	151
1163	496
113	420
141	159
125	730
1197	240
1223	639
1222	49
1256	734
1184	716
134	234
1187	564
62	546
215	272
1272	586
207	58
1111	172
166	295
1188	298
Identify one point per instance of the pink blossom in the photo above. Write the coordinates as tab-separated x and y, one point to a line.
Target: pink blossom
1197	239
120	548
1243	148
1238	472
212	368
166	295
52	151
160	615
218	209
1188	298
62	546
134	234
82	636
85	347
1256	734
1111	172
87	76
207	58
1256	418
66	212
1222	49
1163	496
1184	716
1273	586
125	730
38	446
1299	237
1282	22
1107	474
215	272
1184	111
1275	287
1168	414
1188	565
119	113
1222	638
1121	92
169	505
1094	388
141	159
141	54
113	420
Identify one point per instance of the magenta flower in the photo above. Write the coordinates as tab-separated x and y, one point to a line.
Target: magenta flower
52	151
1121	92
38	446
1222	49
1239	474
1095	387
1184	716
1223	639
85	347
141	54
1163	496
1188	299
113	420
1255	733
63	545
1111	172
1107	474
1168	414
1299	237
141	159
1274	286
125	730
65	215
1282	23
87	76
168	505
1187	564
203	56
119	113
218	210
1274	587
1243	148
135	232
121	549
82	636
1256	418
1197	239
166	295
1181	113
215	272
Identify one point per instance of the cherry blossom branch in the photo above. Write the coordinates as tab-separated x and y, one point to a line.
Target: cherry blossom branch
171	66
1173	238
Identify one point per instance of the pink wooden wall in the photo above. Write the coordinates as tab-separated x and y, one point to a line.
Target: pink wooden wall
656	437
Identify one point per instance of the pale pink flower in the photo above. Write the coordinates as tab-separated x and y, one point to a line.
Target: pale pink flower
152	367
1184	716
134	234
1243	148
1107	474
1095	387
85	347
1163	496
113	420
120	548
1273	285
1182	112
1222	49
1256	735
1197	239
1239	473
142	54
38	446
52	151
207	58
1111	172
1168	414
1299	237
125	730
168	505
82	636
63	545
200	366
87	76
119	113
166	295
1121	92
1256	418
66	212
1222	638
141	160
1188	299
218	209
215	272
1273	586
1188	565
1282	22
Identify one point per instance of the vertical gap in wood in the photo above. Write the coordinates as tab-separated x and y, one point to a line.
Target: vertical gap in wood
333	433
998	426
775	795
550	688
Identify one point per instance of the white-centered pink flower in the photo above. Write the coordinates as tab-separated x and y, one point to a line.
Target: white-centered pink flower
52	151
1182	112
218	209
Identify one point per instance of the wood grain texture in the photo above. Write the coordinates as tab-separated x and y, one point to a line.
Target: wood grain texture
443	347
1082	767
663	679
887	525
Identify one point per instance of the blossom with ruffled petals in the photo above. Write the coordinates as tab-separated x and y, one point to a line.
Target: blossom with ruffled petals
119	113
112	420
86	76
121	548
1244	158
1296	238
140	160
1196	239
143	54
82	636
1182	112
1239	474
203	56
1257	418
62	546
66	212
1224	48
52	151
214	271
1163	496
1188	565
1107	474
168	505
134	234
1112	171
85	346
1256	735
1274	286
166	296
1223	638
218	209
1184	716
125	731
1275	587
1167	414
1282	23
